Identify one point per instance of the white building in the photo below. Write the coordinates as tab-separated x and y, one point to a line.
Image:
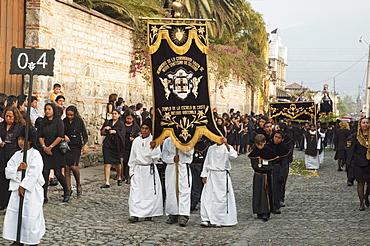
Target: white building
277	65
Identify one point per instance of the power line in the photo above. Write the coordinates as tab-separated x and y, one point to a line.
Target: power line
340	72
289	60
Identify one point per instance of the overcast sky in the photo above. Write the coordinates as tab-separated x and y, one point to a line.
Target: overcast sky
322	37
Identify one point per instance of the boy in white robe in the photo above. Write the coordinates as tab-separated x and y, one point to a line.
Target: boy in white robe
33	223
218	206
145	199
177	209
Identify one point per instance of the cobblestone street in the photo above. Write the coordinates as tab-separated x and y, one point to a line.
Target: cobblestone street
319	211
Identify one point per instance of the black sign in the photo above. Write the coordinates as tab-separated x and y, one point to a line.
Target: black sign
37	61
293	110
180	84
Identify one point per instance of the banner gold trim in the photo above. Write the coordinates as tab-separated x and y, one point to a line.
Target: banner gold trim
180	50
201	130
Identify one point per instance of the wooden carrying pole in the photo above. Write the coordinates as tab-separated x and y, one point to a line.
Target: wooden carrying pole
25	147
177	176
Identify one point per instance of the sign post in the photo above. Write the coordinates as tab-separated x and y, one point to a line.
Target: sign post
33	62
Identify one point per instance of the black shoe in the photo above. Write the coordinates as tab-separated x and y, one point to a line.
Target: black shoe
340	170
128	182
53	182
148	219
119	182
367	203
70	193
67	195
2	207
183	220
133	219
172	219
16	244
362	208
105	186
79	192
282	204
46	200
265	217
276	211
259	216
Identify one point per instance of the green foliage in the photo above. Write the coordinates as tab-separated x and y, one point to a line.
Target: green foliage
342	107
225	12
141	62
126	11
298	167
229	60
249	33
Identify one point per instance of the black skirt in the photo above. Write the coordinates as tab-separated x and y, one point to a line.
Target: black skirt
339	154
111	156
55	161
73	155
362	174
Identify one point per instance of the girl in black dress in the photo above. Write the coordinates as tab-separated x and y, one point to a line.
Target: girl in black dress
132	130
113	146
360	154
111	105
10	129
51	133
76	136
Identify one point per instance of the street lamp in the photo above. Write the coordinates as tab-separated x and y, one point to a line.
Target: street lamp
367	95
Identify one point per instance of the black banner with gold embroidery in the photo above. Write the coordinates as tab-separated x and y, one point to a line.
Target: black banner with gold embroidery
293	110
180	84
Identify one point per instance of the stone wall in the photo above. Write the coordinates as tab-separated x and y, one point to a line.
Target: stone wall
92	60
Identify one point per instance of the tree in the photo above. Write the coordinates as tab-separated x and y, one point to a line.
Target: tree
227	13
126	11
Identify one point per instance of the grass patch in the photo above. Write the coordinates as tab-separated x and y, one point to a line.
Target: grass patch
298	167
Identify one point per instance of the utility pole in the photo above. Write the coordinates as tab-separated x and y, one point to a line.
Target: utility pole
367	92
367	95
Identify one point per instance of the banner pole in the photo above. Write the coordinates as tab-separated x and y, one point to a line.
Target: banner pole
25	147
177	177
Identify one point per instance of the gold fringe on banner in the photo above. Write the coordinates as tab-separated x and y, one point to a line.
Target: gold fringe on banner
201	130
180	50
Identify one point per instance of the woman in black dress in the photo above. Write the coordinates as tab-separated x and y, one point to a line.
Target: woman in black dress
113	146
340	142
132	130
10	129
51	133
76	136
360	154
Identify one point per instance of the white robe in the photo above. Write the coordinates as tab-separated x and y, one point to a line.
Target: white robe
321	156
185	180
145	191
218	200
33	223
312	162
